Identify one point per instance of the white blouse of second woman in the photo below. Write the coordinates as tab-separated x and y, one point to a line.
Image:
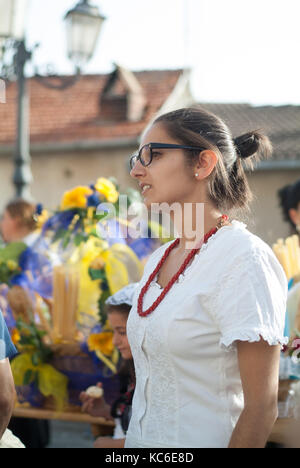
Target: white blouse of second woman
188	391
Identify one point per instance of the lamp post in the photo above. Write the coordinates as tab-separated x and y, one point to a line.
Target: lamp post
83	27
22	177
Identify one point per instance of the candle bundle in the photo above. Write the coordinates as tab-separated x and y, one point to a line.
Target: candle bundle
65	303
288	254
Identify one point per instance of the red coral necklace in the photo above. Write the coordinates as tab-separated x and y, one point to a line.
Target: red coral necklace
221	222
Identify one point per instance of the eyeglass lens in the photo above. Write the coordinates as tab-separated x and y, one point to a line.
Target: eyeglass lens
144	156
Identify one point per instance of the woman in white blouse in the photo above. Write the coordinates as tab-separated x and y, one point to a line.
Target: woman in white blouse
206	326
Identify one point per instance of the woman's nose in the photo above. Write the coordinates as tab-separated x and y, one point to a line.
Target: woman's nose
138	170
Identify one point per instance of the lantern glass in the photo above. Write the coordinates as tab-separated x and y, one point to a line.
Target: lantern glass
12	18
83	25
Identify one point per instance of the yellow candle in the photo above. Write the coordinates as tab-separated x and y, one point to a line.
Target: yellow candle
55	324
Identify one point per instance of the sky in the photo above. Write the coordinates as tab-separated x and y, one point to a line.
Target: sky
244	51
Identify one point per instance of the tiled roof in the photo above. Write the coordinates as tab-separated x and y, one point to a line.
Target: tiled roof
74	113
280	123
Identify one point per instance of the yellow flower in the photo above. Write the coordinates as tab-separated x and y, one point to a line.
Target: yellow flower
108	189
90	212
42	218
101	342
15	336
75	198
12	265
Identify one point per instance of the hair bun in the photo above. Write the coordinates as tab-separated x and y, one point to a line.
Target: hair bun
251	143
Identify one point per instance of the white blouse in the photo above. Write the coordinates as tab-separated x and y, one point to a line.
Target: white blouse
188	389
10	441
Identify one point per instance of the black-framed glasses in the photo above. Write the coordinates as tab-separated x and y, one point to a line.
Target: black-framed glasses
145	154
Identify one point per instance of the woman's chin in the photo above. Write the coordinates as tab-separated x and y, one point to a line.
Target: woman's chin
150	201
126	355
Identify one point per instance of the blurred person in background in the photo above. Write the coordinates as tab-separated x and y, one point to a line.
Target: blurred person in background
19	224
118	307
289	197
7	388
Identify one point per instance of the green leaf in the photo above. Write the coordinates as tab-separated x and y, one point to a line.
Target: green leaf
12	251
82	213
93	233
35	359
59	234
28	377
66	240
97	274
101	306
79	238
100	217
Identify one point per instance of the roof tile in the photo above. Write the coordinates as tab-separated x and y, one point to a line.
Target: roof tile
74	113
280	123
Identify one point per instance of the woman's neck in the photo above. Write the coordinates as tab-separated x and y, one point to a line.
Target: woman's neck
196	220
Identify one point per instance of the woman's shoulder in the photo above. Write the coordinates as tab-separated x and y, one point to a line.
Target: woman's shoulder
243	250
237	240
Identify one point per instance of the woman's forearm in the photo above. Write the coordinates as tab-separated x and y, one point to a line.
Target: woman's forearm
5	415
7	396
253	428
109	442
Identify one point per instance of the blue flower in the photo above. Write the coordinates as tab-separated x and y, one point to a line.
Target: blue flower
93	200
60	220
39	209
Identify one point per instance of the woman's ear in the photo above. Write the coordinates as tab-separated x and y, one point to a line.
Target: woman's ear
207	161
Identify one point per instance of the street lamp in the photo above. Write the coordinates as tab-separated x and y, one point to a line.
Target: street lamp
83	27
12	16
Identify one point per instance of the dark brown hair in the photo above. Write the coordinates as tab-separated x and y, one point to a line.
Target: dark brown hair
123	309
227	185
289	198
127	365
24	211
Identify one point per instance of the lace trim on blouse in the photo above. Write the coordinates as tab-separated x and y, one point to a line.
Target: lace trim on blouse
252	336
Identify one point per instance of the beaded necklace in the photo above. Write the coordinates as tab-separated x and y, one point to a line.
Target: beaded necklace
221	222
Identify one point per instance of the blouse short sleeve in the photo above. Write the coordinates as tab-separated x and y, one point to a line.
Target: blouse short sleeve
7	349
251	299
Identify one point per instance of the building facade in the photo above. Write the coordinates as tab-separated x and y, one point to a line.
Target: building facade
90	130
